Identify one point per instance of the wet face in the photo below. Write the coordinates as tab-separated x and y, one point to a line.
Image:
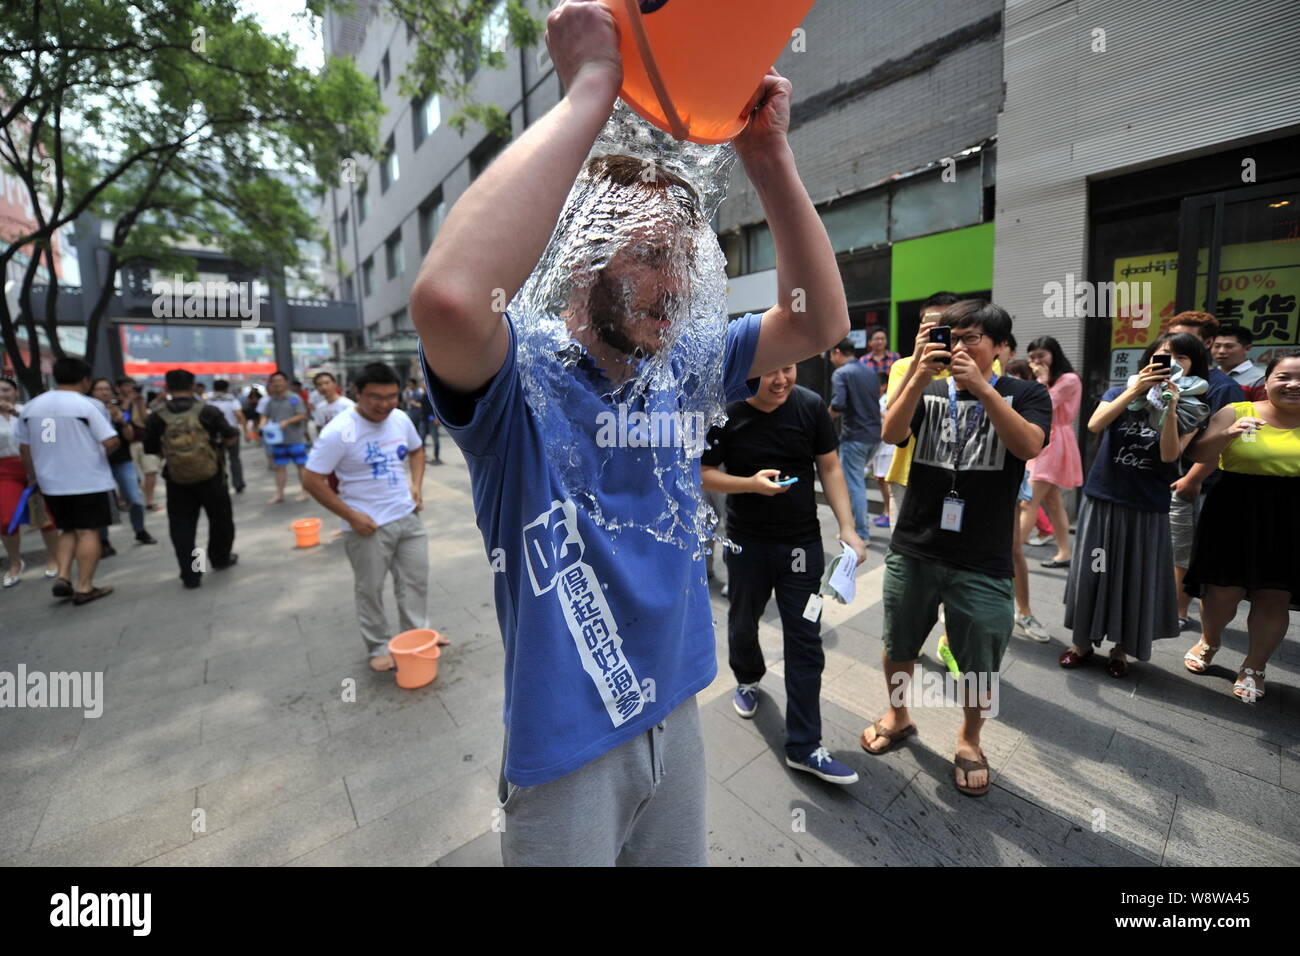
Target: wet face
1228	352
775	387
376	402
1283	386
103	391
1182	360
641	293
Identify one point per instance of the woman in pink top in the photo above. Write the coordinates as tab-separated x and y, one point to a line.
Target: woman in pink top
1059	464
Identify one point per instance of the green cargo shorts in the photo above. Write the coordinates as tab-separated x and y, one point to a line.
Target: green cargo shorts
977	607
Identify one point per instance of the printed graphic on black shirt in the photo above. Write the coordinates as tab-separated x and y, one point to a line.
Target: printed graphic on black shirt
936	438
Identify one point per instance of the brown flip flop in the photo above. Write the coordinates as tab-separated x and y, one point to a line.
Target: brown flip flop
968	766
86	597
891	739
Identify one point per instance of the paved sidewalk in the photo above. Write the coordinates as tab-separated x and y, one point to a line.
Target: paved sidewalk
225	738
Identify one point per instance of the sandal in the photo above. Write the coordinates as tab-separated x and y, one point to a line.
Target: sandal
968	766
892	738
1072	658
1116	667
1200	663
85	597
62	588
1247	688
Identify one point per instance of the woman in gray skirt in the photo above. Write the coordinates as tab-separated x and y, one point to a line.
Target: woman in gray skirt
1121	584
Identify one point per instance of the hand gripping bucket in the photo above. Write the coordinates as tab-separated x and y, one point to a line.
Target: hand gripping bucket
694	67
307	532
416	655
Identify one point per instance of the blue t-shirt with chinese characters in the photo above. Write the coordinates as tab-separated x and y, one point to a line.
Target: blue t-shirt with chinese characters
604	635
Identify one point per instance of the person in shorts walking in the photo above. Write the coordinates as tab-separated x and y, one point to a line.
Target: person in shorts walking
287	441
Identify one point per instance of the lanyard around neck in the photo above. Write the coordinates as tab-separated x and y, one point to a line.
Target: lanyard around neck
973	419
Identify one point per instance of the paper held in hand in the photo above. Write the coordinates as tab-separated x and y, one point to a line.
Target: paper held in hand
839	581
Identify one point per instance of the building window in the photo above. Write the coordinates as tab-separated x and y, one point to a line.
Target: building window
923	206
858	223
393	254
363	201
732	246
345	289
761	253
385	69
426	116
402	322
378	88
368	277
483	155
343	230
432	212
388	172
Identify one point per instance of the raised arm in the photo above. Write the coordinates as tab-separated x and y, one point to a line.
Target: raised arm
496	232
811	313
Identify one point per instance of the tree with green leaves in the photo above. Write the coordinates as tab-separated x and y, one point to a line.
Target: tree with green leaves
172	120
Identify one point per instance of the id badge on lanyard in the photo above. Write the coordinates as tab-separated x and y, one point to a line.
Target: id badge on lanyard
954	508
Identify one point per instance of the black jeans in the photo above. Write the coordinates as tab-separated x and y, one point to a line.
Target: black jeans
236	467
794	572
183	505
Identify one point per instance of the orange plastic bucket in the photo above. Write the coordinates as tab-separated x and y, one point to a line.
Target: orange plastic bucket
694	69
416	654
307	531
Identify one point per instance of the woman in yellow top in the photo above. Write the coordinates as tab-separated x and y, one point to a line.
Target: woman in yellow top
1245	541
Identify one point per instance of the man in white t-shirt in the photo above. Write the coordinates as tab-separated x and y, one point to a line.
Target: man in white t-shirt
369	448
328	401
64	439
233	409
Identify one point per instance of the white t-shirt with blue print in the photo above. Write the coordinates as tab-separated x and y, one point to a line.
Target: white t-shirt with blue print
369	459
604	636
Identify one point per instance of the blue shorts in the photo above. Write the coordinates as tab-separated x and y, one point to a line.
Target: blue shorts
284	454
1026	493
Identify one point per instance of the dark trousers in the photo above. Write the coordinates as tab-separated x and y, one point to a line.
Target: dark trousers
236	469
794	572
183	505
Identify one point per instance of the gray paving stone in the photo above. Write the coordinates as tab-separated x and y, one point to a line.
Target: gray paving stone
17	828
125	840
483	850
417	833
738	836
1204	837
273	836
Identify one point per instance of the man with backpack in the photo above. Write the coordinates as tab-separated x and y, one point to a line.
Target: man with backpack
188	435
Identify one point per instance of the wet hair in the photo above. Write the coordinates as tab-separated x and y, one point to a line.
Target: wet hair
1238	332
376	373
1276	359
1019	368
1203	321
942	299
1185	344
968	313
1060	364
70	371
646	174
179	380
846	348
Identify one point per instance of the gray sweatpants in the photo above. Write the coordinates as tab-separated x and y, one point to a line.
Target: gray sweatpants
640	804
402	547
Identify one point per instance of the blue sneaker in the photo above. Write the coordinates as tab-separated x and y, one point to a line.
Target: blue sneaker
820	763
745	700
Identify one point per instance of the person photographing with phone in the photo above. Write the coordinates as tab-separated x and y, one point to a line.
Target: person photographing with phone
1123	586
972	435
771	446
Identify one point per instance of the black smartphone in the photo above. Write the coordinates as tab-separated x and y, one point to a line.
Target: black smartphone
1166	362
943	335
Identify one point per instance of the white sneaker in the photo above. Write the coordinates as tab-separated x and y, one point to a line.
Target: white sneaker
1038	540
1032	628
13	577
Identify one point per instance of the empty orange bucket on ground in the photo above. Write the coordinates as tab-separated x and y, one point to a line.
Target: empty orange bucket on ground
307	531
416	654
693	68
